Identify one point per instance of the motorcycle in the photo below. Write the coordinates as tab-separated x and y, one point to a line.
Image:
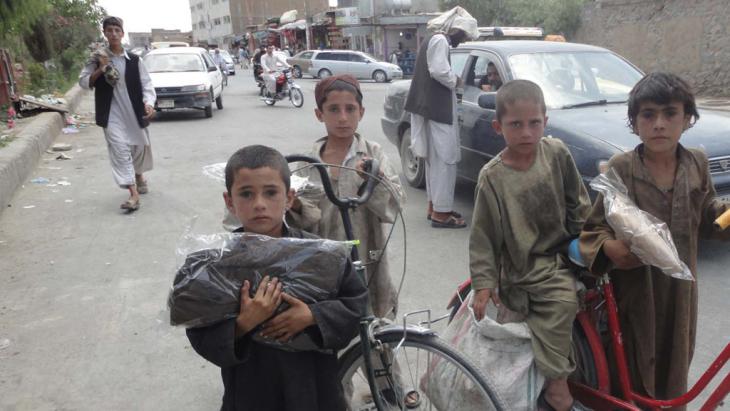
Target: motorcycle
285	87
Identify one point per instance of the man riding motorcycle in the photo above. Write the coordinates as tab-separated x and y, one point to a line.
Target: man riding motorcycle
269	63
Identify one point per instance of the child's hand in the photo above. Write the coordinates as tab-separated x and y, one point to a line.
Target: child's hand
481	299
289	323
361	167
621	255
256	310
103	62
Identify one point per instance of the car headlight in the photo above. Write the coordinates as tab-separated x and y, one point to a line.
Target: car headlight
199	87
602	166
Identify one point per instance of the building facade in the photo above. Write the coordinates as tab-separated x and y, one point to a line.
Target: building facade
212	22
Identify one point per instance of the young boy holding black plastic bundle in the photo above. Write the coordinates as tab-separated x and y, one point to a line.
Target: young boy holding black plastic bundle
261	377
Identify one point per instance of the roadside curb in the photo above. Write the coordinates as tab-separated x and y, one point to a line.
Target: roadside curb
20	157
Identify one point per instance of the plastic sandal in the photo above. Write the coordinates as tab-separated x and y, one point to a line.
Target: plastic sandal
451	222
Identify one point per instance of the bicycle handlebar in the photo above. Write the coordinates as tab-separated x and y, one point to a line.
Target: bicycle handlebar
342	203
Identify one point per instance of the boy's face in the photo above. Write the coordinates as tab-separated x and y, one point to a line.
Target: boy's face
259	199
661	125
340	114
113	34
523	125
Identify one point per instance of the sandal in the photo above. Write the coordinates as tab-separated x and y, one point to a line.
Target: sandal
543	405
451	222
453	213
130	205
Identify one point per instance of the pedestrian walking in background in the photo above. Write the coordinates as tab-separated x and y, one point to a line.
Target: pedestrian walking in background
243	57
124	102
432	104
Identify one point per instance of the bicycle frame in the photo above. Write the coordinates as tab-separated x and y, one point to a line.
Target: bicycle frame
601	397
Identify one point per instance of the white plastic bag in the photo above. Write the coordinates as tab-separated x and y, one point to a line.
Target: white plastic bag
649	237
503	353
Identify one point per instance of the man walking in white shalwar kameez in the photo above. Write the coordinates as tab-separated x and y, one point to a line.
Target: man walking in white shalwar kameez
432	104
124	104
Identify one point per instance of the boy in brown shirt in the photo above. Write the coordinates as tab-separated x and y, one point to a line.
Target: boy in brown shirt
530	202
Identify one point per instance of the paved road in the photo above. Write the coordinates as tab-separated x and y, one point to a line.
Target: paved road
83	286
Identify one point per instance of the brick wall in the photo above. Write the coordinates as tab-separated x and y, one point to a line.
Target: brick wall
687	37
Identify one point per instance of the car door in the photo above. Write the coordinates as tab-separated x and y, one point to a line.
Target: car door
323	60
340	63
479	141
305	61
215	77
359	66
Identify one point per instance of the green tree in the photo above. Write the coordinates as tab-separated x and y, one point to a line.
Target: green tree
554	16
18	16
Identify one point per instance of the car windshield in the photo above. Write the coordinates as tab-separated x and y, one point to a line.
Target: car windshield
167	63
571	79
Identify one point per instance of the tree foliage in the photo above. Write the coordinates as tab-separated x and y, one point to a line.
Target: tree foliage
554	16
50	37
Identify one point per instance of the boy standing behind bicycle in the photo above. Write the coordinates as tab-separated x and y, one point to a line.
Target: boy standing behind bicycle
339	107
658	313
529	203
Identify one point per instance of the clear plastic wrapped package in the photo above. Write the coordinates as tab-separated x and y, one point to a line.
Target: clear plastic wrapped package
301	185
649	238
206	288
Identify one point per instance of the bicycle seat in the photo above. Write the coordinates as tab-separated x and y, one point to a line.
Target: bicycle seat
574	254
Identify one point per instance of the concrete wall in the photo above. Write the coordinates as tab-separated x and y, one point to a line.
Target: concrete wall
687	37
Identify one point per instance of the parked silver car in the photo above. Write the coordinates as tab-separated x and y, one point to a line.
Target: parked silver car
358	64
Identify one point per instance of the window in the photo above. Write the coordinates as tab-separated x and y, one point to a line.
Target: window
324	56
201	25
208	60
199	6
226	19
483	71
340	56
356	58
458	60
217	21
306	55
195	26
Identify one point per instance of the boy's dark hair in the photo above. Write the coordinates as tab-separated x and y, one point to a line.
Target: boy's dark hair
662	88
515	90
254	157
344	82
112	21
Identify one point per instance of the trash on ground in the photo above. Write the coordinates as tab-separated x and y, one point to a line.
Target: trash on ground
70	130
4	343
29	206
69	201
81	150
63	157
64	183
40	180
61	147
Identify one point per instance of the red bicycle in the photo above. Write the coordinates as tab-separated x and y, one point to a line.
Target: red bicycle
598	317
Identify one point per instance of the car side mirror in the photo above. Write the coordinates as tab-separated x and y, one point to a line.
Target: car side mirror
212	68
488	101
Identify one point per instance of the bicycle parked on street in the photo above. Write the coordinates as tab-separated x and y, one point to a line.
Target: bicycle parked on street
393	366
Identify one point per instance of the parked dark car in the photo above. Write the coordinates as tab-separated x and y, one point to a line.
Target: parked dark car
586	89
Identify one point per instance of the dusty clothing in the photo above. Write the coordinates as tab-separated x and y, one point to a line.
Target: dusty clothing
370	222
521	221
128	143
657	313
260	378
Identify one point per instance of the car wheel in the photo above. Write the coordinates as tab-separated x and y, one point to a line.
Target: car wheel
414	168
209	108
379	76
219	102
324	73
297	72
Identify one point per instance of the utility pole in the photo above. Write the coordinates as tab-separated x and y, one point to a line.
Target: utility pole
306	27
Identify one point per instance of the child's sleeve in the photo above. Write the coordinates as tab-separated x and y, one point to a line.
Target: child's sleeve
338	319
577	202
85	76
485	240
383	203
595	232
308	217
218	343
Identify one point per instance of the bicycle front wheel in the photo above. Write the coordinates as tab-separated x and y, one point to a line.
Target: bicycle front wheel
425	373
